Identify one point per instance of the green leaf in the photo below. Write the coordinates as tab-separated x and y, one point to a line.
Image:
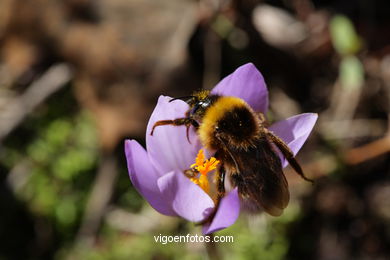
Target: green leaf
344	38
351	73
66	211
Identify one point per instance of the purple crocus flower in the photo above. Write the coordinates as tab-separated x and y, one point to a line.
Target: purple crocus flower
158	173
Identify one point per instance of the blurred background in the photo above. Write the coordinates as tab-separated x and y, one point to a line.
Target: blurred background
77	77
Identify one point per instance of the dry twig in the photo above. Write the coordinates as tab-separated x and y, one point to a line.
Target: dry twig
54	79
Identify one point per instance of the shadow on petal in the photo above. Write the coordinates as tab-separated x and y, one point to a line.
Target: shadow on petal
247	83
144	177
227	213
188	200
294	131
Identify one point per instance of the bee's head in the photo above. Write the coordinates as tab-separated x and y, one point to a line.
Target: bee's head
199	103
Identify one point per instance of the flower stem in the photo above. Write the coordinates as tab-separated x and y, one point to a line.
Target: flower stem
212	249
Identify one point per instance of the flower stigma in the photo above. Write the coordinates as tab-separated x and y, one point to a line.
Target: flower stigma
203	167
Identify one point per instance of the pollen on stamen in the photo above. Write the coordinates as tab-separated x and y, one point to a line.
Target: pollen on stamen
203	167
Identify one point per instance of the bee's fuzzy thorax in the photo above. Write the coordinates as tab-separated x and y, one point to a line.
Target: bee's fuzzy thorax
202	94
231	118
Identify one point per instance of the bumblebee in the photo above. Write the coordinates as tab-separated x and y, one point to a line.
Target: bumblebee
245	147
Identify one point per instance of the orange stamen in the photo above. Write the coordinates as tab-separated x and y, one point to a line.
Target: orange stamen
203	167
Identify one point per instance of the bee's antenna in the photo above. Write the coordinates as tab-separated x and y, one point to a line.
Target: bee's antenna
181	98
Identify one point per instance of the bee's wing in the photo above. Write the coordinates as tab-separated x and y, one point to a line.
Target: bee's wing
261	182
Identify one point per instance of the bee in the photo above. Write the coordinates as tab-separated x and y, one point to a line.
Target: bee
245	147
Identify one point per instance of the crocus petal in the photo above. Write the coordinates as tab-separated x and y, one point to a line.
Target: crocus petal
188	200
294	131
247	83
144	177
227	213
169	148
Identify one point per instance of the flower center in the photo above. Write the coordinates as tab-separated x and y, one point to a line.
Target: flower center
203	167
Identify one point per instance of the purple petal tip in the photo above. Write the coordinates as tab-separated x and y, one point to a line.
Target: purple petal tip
227	213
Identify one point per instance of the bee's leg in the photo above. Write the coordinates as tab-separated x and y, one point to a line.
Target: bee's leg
286	151
220	194
220	187
175	122
187	121
194	124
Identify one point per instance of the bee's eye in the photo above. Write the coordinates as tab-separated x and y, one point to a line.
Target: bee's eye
200	105
195	108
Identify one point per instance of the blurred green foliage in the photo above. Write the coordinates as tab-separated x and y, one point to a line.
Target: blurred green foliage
60	159
347	43
344	37
351	72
